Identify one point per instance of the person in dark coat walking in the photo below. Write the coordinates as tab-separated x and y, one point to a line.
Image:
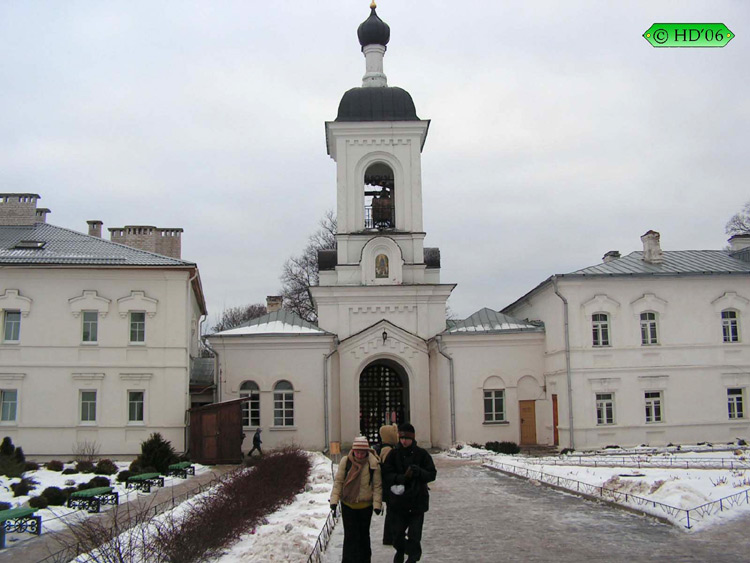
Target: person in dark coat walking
256	443
406	472
389	440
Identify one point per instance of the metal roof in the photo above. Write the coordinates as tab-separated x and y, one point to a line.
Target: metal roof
202	371
675	262
278	322
487	321
63	246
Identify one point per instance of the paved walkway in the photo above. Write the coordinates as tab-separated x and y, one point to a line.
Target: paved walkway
37	548
481	516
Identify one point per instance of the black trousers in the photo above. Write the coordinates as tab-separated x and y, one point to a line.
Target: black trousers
255	448
356	534
388	526
406	526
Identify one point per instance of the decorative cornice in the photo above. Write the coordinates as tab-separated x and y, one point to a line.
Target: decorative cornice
137	301
89	300
12	300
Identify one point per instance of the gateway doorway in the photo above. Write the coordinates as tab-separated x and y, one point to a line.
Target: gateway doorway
383	398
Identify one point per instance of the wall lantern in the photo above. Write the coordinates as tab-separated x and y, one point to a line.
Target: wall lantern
385	336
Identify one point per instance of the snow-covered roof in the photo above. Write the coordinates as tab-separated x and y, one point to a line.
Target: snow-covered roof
278	322
489	321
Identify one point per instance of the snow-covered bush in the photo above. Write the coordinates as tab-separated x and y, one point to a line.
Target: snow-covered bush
105	467
55	465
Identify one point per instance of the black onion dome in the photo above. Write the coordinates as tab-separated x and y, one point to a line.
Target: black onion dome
373	31
377	104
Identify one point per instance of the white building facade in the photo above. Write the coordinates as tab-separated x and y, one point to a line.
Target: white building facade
97	338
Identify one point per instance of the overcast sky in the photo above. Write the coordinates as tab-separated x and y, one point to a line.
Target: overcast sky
558	133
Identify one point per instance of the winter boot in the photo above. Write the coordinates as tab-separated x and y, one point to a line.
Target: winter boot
399	557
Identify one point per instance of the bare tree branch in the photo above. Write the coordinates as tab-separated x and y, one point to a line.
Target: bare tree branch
235	316
739	224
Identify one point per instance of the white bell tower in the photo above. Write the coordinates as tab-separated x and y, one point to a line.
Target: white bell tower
380	269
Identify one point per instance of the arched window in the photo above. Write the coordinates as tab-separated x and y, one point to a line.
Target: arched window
283	404
730	325
379	208
251	409
600	329
494	400
649	329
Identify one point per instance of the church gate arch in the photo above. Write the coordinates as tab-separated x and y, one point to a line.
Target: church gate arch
383	397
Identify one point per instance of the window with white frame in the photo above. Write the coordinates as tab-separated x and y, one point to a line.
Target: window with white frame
605	408
283	404
250	409
494	405
136	400
600	329
88	406
649	329
137	326
90	326
12	326
8	405
730	325
653	406
735	403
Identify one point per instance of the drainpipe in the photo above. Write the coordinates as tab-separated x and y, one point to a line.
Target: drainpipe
189	315
325	394
452	388
217	370
567	361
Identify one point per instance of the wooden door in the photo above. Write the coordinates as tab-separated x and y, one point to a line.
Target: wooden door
210	435
216	433
528	422
554	420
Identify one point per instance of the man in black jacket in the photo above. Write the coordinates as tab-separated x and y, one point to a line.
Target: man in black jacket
406	472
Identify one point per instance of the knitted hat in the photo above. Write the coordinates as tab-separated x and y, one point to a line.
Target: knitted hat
406	430
360	443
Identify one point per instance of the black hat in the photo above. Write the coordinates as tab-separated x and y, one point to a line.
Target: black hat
406	430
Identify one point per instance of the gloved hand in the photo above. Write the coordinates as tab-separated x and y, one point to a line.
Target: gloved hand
400	479
333	507
416	471
378	511
409	474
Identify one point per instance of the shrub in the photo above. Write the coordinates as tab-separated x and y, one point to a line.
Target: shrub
10	467
105	467
612	447
6	447
30	466
86	451
23	487
69	471
84	486
18	454
69	491
741	442
503	447
5	506
122	476
99	481
85	466
567	451
158	453
475	445
38	502
55	496
55	465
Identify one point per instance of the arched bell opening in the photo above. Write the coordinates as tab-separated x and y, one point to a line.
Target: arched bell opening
383	397
379	197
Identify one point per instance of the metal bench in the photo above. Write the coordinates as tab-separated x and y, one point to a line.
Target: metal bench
92	499
182	469
19	520
144	482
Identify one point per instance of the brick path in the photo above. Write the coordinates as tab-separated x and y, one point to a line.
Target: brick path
37	548
477	515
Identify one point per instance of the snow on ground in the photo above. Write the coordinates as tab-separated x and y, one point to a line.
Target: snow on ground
291	532
58	517
677	487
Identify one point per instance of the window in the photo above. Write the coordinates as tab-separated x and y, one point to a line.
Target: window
730	326
137	327
735	404
8	405
251	409
649	335
494	405
90	326
12	326
88	406
283	404
135	406
605	408
653	406
600	326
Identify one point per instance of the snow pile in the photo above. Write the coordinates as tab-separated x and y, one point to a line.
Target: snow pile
291	532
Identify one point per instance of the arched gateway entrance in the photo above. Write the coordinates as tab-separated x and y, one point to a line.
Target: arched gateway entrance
383	398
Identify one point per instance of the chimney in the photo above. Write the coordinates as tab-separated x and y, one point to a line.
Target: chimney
273	303
739	242
611	255
20	209
95	228
651	248
167	242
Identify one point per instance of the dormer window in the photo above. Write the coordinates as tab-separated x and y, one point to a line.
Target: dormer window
379	208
